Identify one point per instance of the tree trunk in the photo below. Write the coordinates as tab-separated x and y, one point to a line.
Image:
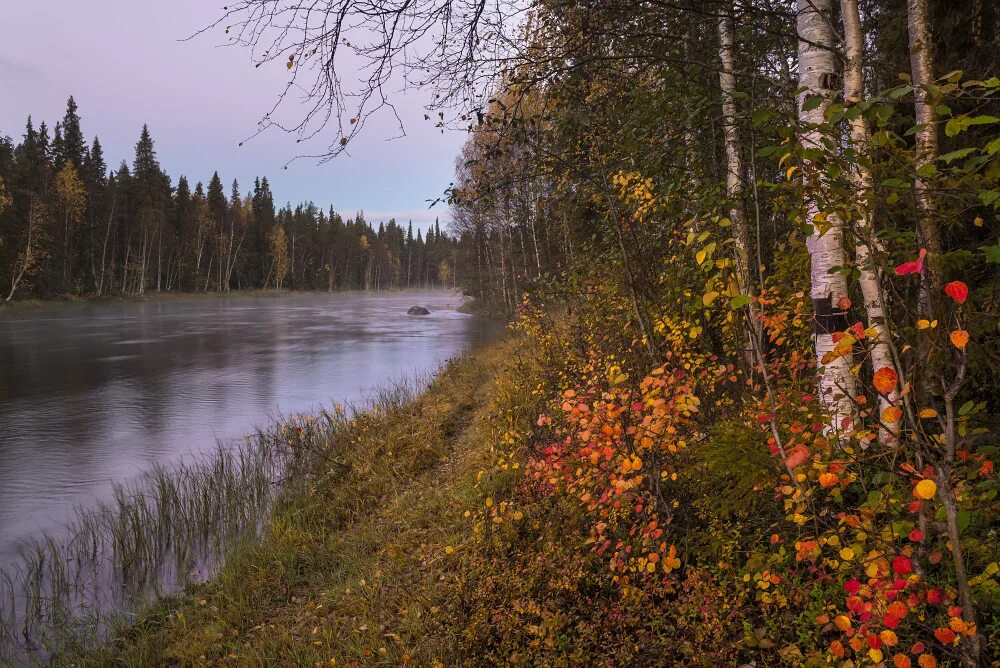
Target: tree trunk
828	290
922	75
861	176
734	172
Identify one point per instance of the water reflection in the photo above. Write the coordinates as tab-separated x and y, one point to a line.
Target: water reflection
97	394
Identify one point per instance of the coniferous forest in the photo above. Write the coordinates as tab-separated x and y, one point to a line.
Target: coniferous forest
70	224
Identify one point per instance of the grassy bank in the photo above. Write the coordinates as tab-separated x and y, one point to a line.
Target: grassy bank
504	516
363	562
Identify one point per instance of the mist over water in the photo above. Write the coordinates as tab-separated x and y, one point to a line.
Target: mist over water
94	395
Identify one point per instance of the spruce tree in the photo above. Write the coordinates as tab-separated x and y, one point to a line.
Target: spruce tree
216	197
71	144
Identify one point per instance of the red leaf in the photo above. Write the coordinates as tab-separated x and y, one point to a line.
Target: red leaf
902	565
799	455
852	586
944	635
958	291
915	267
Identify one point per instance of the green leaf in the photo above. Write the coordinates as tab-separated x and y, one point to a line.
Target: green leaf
760	116
992	253
960	124
948	158
894	183
812	102
983	120
739	301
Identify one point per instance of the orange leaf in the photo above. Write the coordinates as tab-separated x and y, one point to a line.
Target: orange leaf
892	414
959	338
885	380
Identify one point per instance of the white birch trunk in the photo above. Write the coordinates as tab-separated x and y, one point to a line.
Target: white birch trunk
861	177
837	386
922	75
734	174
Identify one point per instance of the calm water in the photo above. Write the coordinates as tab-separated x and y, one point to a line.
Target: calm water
94	395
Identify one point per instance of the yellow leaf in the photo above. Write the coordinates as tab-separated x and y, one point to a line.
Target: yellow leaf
928	413
709	297
791	170
700	256
847	554
925	489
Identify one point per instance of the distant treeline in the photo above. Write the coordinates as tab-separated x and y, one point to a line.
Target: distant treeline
69	225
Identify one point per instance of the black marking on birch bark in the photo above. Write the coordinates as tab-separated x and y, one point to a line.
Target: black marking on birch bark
825	319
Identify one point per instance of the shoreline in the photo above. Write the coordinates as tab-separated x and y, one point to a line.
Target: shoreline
304	443
75	301
394	478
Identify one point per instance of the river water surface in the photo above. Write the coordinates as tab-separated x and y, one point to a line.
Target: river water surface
97	394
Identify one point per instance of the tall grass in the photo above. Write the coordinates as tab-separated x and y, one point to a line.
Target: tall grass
171	528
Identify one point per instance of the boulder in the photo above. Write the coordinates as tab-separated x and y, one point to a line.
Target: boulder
418	310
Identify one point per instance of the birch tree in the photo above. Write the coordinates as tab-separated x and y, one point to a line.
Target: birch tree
828	288
926	138
861	177
734	169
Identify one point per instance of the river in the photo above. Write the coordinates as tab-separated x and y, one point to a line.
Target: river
97	394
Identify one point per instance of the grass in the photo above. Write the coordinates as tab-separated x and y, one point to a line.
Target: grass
360	561
167	531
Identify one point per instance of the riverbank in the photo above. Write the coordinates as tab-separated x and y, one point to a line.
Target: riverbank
551	500
364	563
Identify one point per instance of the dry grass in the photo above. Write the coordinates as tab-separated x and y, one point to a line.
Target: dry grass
361	563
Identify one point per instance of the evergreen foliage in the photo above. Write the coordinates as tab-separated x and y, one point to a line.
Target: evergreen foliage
72	227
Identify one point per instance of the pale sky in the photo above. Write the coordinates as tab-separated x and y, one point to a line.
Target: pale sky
124	63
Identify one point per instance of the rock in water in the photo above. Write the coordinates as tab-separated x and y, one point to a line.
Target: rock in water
418	310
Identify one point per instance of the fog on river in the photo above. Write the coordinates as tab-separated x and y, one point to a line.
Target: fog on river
96	394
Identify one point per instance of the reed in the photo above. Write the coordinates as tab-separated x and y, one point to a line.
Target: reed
171	528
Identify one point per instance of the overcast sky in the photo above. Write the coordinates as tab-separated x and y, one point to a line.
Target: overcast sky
124	63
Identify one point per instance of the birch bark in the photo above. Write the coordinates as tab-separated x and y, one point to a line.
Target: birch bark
828	290
922	75
861	177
